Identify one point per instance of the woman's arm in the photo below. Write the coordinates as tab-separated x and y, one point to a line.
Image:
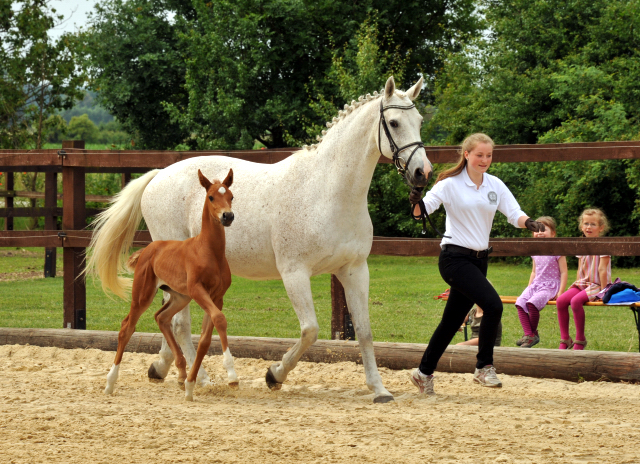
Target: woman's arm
533	273
521	221
564	274
602	270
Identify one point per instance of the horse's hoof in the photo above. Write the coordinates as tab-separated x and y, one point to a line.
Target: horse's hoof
234	385
181	384
383	399
153	375
272	383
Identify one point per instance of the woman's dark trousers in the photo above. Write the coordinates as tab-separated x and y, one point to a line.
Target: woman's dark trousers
467	279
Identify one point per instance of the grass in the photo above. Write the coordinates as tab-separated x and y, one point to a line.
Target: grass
401	304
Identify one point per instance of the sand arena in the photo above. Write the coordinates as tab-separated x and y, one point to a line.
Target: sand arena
54	411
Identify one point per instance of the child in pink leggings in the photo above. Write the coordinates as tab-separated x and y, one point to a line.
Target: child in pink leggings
594	273
548	280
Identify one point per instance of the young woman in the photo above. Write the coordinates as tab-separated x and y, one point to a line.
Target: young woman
471	198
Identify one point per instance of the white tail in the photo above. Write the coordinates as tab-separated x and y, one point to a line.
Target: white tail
113	234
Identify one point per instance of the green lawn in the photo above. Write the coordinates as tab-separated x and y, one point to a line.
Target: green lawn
401	304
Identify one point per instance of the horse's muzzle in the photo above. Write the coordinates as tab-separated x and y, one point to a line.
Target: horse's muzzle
227	219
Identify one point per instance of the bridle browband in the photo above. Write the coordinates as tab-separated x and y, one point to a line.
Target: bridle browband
402	169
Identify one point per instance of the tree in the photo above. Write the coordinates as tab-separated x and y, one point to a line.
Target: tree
82	128
247	62
137	65
551	71
38	75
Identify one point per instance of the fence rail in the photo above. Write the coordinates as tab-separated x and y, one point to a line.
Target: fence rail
73	162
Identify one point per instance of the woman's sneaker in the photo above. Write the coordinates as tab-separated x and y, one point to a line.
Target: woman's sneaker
520	341
487	377
423	382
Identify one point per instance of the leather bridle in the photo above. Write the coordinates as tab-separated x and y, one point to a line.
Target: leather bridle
398	161
401	165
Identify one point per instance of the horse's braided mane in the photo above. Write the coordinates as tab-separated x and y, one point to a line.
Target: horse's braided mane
348	109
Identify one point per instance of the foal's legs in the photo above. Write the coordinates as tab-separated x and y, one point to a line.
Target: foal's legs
217	319
355	280
176	302
298	288
181	328
144	290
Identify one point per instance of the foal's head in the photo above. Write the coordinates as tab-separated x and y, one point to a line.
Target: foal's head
219	198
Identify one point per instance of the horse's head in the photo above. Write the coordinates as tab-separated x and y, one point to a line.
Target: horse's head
219	198
399	134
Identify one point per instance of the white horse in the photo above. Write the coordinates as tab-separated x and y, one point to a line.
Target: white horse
304	216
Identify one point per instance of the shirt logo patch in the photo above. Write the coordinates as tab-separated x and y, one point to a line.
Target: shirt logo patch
493	198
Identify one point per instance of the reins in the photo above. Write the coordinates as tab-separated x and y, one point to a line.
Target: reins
402	169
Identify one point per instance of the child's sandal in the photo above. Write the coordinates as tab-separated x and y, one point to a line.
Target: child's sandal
580	342
568	343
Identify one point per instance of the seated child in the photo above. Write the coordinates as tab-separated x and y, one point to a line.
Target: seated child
547	282
475	318
594	273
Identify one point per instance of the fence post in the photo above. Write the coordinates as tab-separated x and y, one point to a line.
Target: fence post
50	221
341	325
8	221
74	218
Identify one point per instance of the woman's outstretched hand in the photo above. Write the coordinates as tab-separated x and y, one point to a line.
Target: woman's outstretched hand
534	226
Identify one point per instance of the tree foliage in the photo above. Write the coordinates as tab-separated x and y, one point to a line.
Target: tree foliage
551	71
247	62
37	74
137	65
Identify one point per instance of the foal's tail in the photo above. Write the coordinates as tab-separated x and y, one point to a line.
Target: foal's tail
113	234
133	260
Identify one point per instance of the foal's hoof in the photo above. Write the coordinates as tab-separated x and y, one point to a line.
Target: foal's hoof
153	375
272	383
383	399
234	385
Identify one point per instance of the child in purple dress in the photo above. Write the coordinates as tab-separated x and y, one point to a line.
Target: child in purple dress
548	281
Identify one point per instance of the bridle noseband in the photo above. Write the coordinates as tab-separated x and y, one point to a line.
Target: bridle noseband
395	150
402	169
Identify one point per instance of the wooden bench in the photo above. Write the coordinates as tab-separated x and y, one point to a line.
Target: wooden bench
634	307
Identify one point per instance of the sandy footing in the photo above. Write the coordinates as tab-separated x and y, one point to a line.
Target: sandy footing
54	411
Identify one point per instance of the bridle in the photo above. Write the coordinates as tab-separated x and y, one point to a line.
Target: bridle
398	161
395	150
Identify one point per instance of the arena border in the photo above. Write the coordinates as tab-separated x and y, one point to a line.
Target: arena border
573	366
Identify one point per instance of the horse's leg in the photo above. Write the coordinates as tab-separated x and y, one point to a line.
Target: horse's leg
160	368
298	289
217	320
181	328
227	359
355	280
143	293
163	317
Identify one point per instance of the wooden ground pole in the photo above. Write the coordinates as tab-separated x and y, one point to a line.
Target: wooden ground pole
537	362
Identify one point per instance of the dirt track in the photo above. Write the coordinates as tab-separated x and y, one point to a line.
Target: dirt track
54	411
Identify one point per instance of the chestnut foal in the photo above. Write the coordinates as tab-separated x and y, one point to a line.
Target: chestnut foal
193	269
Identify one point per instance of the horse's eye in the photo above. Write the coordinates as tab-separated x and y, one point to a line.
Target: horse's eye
210	198
231	198
393	123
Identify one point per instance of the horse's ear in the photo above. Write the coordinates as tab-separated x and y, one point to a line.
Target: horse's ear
203	180
389	88
414	91
229	180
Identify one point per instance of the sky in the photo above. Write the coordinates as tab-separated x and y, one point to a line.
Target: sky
75	15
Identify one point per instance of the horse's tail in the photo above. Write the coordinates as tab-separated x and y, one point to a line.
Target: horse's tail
133	260
113	234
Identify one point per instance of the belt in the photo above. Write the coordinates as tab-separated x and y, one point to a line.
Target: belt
468	251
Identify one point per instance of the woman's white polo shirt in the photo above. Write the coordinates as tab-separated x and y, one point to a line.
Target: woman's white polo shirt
470	210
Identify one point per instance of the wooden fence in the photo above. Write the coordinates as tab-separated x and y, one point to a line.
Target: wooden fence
73	162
